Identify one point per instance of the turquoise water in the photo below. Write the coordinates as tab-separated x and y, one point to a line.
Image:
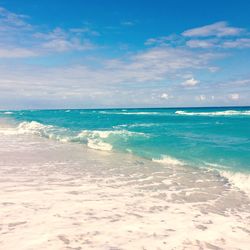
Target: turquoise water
212	137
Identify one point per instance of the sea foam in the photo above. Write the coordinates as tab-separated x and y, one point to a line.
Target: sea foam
239	180
168	160
217	113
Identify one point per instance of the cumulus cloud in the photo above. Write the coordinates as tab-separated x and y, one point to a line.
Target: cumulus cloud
11	21
190	82
128	23
201	43
165	96
219	29
216	35
237	43
234	96
143	77
16	53
19	39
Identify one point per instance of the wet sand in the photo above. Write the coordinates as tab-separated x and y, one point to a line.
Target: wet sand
64	196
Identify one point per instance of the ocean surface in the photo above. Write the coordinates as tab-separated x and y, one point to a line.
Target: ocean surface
201	137
125	178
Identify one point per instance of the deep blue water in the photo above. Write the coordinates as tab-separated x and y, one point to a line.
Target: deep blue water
215	137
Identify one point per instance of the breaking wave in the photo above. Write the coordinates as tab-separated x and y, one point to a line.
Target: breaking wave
169	160
96	139
130	113
42	130
217	113
104	140
239	180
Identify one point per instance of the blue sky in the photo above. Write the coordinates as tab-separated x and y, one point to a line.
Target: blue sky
90	54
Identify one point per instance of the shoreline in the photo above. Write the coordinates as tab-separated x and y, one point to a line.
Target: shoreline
65	196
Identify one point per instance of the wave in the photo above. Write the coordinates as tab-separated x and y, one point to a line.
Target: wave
48	131
217	113
136	125
130	113
169	160
36	128
97	139
239	180
103	140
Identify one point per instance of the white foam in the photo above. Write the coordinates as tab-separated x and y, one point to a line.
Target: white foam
96	139
130	113
215	165
217	113
99	145
107	133
168	160
33	127
239	180
8	113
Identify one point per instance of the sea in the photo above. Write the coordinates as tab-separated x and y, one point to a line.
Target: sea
164	178
215	138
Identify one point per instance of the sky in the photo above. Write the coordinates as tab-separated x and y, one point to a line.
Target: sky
109	54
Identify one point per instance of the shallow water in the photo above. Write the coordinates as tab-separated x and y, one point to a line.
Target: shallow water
199	137
57	195
210	138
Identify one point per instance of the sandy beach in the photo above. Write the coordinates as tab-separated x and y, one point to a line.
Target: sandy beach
58	195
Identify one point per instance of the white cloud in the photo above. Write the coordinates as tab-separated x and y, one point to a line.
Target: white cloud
16	53
234	96
146	67
219	29
18	38
165	96
12	21
190	82
128	23
136	76
238	43
62	45
201	43
217	35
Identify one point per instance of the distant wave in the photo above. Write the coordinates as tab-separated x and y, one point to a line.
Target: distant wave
130	113
168	160
217	113
136	125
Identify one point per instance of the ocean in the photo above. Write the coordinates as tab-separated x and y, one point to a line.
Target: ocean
125	178
201	137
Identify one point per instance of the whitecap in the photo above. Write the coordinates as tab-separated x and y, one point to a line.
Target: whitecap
239	180
168	160
99	145
216	113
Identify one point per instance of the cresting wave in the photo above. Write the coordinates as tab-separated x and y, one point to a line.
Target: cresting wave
110	139
130	113
239	180
169	160
96	139
217	113
104	140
